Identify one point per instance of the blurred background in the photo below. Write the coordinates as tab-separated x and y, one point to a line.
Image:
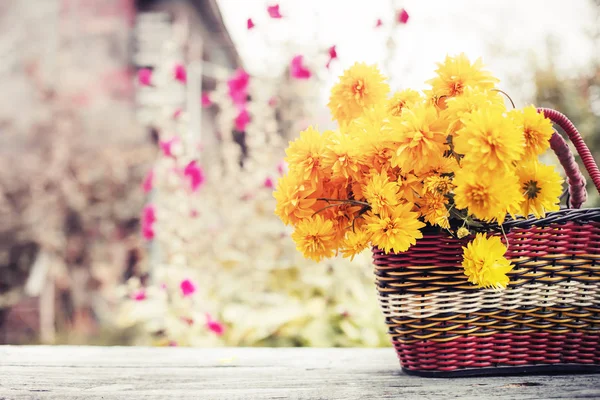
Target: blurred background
140	142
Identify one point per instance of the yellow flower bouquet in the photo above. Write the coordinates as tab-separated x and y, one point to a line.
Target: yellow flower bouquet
448	189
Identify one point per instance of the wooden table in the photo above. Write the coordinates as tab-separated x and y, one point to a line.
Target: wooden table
43	372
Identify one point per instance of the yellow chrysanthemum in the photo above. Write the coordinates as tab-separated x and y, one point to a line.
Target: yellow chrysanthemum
489	139
439	185
420	137
343	217
484	262
376	150
457	73
433	209
541	186
445	165
395	231
315	238
342	157
293	199
473	99
360	87
487	196
462	232
355	242
536	129
411	187
370	123
380	193
401	100
305	156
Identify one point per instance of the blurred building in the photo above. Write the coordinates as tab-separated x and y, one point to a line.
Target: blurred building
73	152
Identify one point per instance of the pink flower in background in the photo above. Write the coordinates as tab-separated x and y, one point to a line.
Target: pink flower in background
187	287
274	11
250	24
273	101
167	146
139	295
215	326
189	321
206	101
281	167
172	343
242	119
148	180
247	196
194	213
238	87
148	220
332	55
145	77
297	70
269	184
402	17
195	174
179	73
177	113
163	286
378	23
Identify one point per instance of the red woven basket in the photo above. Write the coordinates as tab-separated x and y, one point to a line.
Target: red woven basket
548	318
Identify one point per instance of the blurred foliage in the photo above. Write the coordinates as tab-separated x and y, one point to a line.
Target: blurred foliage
226	239
576	95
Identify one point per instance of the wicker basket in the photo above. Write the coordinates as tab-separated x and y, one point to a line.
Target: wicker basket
547	320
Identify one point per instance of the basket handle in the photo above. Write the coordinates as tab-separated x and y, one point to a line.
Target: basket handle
575	179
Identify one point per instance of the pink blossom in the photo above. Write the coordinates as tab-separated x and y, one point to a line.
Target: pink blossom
172	343
167	146
273	101
250	24
148	220
269	184
180	73
402	17
195	174
274	11
177	113
189	321
378	23
194	213
206	101
238	87
163	286
242	119
247	196
215	326
332	55
281	167
139	295
297	70
145	77
147	184
187	287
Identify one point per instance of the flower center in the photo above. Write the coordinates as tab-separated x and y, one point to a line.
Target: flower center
359	90
530	136
314	242
456	88
479	196
389	227
397	109
531	189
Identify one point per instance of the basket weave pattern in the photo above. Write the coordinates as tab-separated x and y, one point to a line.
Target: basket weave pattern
549	314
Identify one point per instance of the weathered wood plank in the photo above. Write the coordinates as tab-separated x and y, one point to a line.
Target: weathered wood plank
110	373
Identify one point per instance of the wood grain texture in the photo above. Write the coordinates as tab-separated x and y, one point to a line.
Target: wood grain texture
44	372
